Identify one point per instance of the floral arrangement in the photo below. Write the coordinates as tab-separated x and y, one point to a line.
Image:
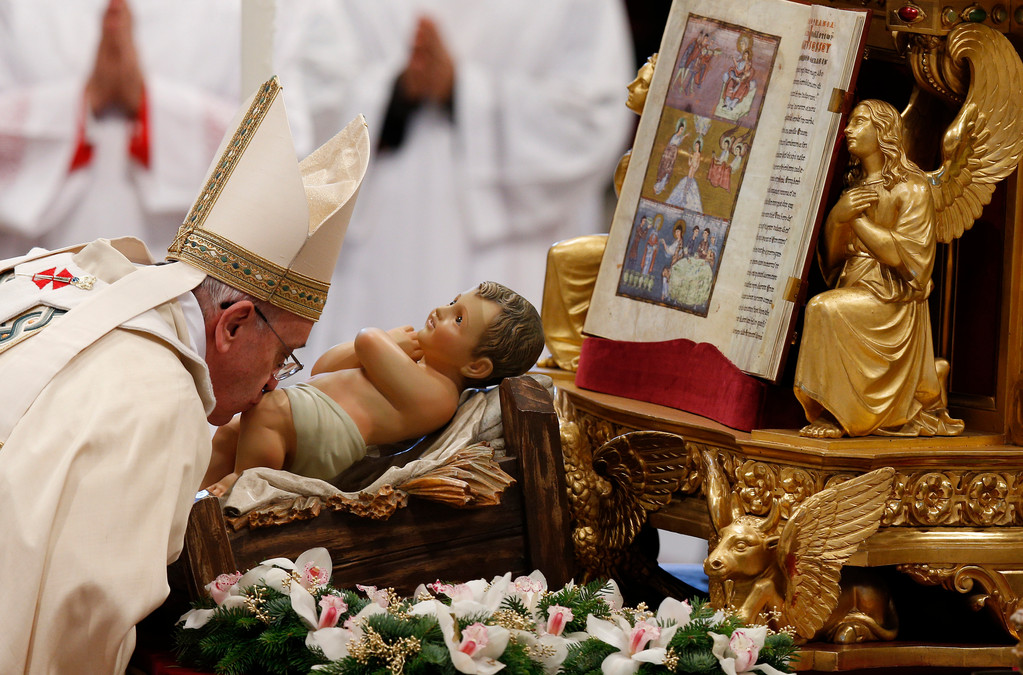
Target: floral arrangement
285	617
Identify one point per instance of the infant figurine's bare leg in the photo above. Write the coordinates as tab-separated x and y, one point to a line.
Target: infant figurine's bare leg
825	426
262	437
225	445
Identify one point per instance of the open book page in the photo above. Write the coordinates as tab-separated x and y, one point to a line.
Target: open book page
720	203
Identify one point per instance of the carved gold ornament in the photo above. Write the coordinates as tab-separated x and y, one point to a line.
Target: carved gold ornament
612	489
791	578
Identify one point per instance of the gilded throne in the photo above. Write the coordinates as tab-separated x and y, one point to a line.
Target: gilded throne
945	528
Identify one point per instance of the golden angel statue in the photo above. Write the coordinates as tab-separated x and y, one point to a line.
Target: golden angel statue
866	363
794	578
572	264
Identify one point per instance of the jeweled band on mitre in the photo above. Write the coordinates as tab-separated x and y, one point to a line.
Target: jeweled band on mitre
257	276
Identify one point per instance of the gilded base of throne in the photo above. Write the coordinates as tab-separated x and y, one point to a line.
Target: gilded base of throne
954	523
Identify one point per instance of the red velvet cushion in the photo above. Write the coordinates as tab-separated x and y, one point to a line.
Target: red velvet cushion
690	376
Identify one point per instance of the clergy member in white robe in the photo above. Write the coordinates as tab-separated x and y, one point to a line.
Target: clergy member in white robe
79	497
112	370
480	186
69	174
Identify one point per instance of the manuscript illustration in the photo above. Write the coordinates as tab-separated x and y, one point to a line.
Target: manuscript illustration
706	127
714	227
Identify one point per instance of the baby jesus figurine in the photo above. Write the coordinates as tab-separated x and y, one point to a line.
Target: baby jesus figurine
382	388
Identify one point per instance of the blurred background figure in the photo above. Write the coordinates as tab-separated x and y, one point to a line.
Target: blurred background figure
496	128
110	111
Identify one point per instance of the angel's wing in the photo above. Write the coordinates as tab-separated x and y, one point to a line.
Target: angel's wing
819	537
643	469
983	144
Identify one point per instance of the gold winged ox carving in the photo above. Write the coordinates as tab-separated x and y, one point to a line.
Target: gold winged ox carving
792	578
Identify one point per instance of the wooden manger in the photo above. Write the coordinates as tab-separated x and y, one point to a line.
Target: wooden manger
425	541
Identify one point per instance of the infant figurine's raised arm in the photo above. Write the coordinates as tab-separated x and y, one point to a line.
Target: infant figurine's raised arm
385	387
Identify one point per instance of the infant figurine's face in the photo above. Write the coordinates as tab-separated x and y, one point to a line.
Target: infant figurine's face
453	331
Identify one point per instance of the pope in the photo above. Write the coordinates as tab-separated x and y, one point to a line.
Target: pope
114	366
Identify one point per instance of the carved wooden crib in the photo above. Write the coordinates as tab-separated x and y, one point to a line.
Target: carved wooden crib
425	541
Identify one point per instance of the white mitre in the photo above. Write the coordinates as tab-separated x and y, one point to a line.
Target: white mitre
265	223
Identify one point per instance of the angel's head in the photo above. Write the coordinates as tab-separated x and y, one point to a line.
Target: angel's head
876	127
640	86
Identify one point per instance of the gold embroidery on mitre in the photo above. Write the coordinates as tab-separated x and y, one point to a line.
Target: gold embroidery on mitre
226	260
255	275
225	165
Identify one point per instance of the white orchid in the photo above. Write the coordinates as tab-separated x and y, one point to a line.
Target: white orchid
738	654
469	591
549	643
227	591
323	631
530	589
676	611
197	618
631	642
475	651
377	596
304	604
643	642
549	650
612	595
311	569
330	638
474	597
488	594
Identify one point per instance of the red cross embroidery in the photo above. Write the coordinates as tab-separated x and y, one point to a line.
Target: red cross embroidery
64	278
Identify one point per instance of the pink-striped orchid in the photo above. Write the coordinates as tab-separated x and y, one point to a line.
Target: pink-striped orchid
643	642
226	590
377	595
221	587
311	569
557	618
530	589
333	640
738	654
475	651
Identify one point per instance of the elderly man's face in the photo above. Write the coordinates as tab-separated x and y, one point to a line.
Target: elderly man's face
242	355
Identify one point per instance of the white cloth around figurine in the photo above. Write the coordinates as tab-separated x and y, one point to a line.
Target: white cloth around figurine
478	419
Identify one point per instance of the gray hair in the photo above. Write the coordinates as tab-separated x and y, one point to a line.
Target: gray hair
214	296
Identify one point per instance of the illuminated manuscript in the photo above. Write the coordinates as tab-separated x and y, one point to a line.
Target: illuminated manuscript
714	225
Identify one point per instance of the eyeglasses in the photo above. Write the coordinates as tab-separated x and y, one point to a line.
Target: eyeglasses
291	363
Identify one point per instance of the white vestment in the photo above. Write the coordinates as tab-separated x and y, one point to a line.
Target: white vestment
96	478
189	52
523	159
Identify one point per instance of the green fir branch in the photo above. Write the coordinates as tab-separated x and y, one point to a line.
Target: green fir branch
582	600
266	636
585	657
